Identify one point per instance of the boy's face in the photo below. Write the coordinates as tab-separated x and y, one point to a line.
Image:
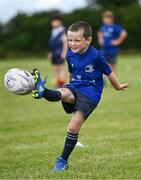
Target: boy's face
77	42
56	23
108	19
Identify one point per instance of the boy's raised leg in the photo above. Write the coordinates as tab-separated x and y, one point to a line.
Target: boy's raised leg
41	91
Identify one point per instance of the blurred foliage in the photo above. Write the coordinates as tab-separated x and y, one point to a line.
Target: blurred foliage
28	34
110	3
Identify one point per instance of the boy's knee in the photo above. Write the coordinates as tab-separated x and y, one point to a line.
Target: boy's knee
63	91
72	128
67	95
76	122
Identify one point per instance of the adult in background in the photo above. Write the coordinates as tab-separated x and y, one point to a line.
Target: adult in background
110	37
58	48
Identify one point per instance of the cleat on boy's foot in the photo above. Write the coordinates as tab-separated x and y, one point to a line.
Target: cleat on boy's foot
60	165
39	89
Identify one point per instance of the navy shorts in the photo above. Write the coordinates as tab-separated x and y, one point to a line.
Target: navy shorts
57	61
112	59
82	103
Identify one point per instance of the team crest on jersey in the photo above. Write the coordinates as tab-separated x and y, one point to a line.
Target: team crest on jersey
89	68
110	29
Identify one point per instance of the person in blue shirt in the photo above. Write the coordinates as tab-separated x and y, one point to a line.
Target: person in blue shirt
57	49
110	37
81	95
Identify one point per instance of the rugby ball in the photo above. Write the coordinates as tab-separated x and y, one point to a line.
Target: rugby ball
19	81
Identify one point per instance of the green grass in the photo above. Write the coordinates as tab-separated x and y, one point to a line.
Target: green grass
32	132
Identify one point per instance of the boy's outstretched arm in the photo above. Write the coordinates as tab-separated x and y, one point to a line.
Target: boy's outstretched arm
116	84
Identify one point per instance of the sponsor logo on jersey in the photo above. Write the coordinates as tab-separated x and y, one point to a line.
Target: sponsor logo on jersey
89	68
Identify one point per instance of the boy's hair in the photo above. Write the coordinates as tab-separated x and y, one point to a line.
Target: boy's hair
57	17
81	25
108	13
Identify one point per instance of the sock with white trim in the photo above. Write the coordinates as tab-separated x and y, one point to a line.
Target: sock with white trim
70	143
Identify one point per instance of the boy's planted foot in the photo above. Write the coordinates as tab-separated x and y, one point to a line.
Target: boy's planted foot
60	165
39	89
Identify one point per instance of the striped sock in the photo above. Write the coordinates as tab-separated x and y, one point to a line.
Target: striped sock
70	143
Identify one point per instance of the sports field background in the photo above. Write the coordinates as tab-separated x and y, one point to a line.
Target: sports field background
32	132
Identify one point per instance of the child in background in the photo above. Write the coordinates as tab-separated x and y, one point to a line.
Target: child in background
58	48
86	67
110	37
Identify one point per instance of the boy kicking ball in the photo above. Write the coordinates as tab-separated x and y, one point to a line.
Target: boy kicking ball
81	96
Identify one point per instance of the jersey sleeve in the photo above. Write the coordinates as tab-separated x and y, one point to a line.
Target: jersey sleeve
68	62
118	29
103	65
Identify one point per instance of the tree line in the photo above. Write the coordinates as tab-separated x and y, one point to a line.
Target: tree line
28	34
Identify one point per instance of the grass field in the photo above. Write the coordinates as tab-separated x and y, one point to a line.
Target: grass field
32	132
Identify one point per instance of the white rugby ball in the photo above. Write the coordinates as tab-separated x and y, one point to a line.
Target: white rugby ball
19	81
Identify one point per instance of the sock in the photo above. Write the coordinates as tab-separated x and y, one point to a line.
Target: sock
52	95
60	83
70	143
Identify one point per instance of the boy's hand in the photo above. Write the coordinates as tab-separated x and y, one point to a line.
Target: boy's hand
122	36
115	42
114	81
123	86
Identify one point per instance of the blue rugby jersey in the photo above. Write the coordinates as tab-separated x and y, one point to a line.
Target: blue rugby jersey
110	32
55	42
87	71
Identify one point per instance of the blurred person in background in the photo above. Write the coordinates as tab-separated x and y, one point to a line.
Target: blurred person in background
58	47
110	37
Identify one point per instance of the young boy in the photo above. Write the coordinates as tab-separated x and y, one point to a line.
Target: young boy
86	67
110	37
58	49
